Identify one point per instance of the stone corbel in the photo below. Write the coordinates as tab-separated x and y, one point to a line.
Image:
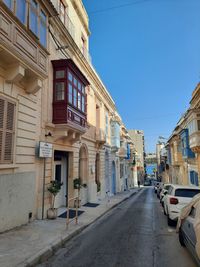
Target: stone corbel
15	73
58	135
33	86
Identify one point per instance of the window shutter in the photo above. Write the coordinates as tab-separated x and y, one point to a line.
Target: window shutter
9	132
2	106
7	112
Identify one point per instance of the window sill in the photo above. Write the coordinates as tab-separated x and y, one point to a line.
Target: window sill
8	166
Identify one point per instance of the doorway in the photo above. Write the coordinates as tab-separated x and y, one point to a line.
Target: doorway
61	175
83	173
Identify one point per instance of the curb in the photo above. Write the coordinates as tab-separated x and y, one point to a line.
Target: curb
50	250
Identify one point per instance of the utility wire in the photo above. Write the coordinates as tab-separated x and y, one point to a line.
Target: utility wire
117	7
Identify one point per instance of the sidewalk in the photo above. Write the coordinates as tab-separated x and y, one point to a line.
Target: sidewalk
35	242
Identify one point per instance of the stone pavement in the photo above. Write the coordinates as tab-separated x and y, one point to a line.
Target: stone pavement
33	243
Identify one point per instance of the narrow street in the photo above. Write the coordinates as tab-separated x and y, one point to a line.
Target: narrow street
134	234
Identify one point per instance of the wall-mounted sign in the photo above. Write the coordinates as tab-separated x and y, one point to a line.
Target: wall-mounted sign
45	150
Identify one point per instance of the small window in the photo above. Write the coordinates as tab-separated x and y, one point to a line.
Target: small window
21	10
75	97
60	74
33	18
7	113
60	91
83	89
75	82
69	76
79	100
70	93
83	103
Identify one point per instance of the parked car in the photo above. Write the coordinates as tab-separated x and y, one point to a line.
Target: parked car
163	192
189	227
159	189
156	185
176	198
147	182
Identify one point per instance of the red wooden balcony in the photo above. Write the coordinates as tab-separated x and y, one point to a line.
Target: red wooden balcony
69	98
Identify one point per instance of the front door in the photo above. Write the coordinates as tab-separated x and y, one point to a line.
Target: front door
60	174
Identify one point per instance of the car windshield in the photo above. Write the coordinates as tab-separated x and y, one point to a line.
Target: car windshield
186	192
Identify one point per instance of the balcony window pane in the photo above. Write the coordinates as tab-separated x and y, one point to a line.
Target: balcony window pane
69	76
60	74
43	29
75	82
8	3
75	98
79	86
60	91
33	20
70	93
83	89
79	101
21	10
83	103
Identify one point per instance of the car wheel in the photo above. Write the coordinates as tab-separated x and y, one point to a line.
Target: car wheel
169	221
181	238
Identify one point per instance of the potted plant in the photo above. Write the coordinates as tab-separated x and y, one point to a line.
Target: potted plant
78	185
54	189
98	186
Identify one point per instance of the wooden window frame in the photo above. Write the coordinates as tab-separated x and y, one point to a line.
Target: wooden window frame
56	80
4	130
75	86
66	81
40	21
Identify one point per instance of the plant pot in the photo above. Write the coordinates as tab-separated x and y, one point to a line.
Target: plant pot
52	213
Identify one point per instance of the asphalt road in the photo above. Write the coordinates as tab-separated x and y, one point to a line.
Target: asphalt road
134	234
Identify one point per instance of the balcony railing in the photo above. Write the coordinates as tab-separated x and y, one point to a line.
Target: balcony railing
100	137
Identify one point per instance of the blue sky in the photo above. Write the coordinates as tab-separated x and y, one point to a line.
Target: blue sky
148	56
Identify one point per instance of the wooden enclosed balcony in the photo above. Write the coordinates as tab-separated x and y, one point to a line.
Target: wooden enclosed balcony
69	100
22	58
194	140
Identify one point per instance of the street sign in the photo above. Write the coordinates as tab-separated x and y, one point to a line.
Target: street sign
45	150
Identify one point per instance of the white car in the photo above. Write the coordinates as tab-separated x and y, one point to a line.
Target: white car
163	193
176	198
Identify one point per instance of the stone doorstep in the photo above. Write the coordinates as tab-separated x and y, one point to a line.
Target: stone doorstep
49	250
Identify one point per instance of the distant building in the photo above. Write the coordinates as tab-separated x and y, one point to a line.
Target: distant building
137	136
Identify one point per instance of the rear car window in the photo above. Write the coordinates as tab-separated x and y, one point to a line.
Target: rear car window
186	192
170	190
